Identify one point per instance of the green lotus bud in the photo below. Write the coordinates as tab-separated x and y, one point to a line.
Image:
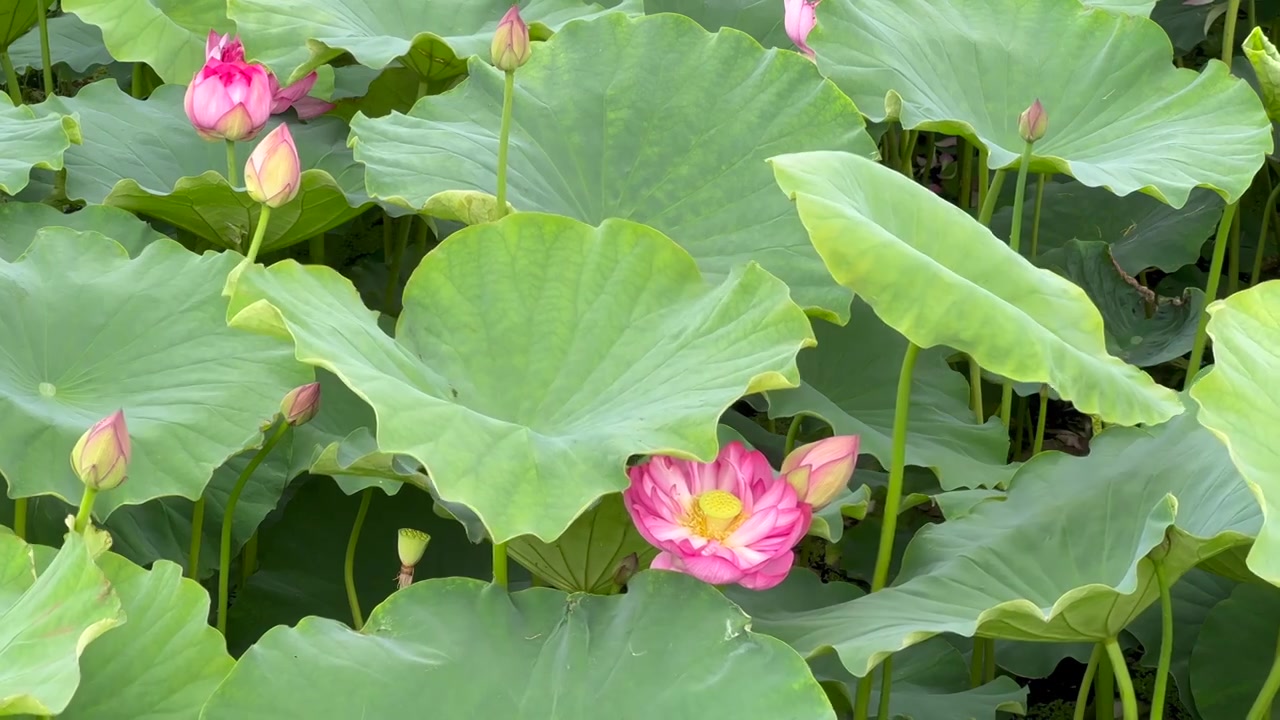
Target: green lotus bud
1266	64
101	456
301	404
1033	122
510	48
411	544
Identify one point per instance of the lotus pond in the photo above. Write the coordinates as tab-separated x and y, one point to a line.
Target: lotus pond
687	359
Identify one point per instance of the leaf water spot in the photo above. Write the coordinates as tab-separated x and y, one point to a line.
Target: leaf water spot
48	389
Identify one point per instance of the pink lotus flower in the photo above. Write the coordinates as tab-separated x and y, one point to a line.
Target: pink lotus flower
820	470
272	176
729	521
228	48
799	17
229	100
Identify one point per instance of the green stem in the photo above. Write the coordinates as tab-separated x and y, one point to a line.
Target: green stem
264	218
135	83
1233	259
500	564
233	168
793	432
197	534
1035	221
1086	683
1267	211
989	202
11	78
1038	444
1015	244
889	151
909	152
315	249
424	232
1211	293
975	389
989	661
1261	709
886	684
1229	31
1128	699
85	514
20	518
405	224
966	174
983	172
228	515
46	68
1104	688
1166	644
504	140
977	661
349	563
248	558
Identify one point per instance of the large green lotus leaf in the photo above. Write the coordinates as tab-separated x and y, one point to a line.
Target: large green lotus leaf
300	557
1240	403
1194	597
1131	335
144	157
850	380
164	662
586	556
1140	8
1143	232
467	649
1233	651
1121	115
678	145
29	140
16	17
874	226
72	43
434	37
761	19
549	349
46	622
168	35
1063	558
20	223
86	342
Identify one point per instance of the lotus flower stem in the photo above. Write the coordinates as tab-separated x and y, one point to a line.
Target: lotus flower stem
1035	221
504	139
1210	292
1229	31
1233	258
1086	683
1261	709
264	218
135	83
976	662
46	65
228	515
988	662
349	563
984	177
1255	276
1038	444
11	78
1015	244
233	168
1166	644
197	534
248	558
975	389
989	199
20	518
394	261
500	564
86	509
1104	687
909	152
1128	699
886	684
966	174
793	432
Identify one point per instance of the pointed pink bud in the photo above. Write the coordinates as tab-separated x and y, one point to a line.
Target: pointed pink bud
1033	122
101	456
510	48
226	48
273	172
799	17
820	470
302	403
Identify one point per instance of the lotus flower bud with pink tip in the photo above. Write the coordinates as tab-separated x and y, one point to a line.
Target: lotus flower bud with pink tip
728	521
229	100
799	17
1033	122
302	403
273	172
510	48
101	456
820	470
226	48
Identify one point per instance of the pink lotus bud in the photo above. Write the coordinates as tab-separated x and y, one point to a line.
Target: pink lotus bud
229	100
1033	122
510	48
820	470
101	456
799	17
226	48
728	521
273	173
303	402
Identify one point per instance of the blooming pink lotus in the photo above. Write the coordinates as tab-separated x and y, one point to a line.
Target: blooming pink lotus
228	48
229	99
799	17
729	521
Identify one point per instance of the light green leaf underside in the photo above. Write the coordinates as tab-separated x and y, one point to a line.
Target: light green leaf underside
850	379
535	355
1121	116
72	43
21	223
28	140
144	157
433	37
467	649
678	145
168	35
1062	558
1240	402
47	622
890	240
85	343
